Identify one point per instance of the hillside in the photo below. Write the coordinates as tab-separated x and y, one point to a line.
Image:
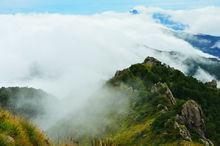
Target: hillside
167	107
163	107
15	131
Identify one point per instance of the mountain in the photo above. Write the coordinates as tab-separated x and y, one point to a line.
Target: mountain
206	43
167	21
165	107
149	103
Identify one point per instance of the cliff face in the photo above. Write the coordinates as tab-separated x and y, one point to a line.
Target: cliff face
167	107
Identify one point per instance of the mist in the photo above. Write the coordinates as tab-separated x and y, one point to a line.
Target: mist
72	56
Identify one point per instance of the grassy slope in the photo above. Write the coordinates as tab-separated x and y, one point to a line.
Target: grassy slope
17	131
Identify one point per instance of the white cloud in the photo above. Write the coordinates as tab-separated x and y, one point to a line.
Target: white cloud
217	45
204	76
204	20
77	51
71	56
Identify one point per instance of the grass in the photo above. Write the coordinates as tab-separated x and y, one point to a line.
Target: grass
15	131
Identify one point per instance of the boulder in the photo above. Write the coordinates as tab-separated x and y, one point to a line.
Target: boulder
192	116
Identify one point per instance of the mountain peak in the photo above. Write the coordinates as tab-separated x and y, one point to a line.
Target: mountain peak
152	61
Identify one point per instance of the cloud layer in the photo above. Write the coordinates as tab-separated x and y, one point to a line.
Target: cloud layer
203	20
71	56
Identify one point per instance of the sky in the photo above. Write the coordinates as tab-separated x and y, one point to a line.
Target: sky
95	6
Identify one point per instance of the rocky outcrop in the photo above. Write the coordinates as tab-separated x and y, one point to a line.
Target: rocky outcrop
180	129
183	131
151	61
192	116
163	89
212	84
207	142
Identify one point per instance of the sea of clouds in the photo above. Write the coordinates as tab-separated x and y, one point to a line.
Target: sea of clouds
71	56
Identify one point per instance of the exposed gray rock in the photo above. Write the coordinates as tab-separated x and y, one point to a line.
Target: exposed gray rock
207	142
192	115
152	61
163	89
183	131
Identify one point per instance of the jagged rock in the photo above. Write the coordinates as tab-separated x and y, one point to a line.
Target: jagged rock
162	108
207	142
192	116
183	131
152	61
163	89
212	84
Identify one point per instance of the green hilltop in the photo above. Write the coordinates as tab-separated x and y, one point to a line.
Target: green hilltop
167	107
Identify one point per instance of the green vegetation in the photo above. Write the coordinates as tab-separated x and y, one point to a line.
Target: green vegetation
15	131
166	108
151	123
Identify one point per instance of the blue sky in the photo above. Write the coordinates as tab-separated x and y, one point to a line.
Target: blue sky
95	6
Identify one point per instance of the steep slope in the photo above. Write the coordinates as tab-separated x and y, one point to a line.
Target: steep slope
15	131
167	107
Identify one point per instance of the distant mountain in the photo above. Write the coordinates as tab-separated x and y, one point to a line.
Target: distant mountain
166	20
194	63
206	43
134	12
23	101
